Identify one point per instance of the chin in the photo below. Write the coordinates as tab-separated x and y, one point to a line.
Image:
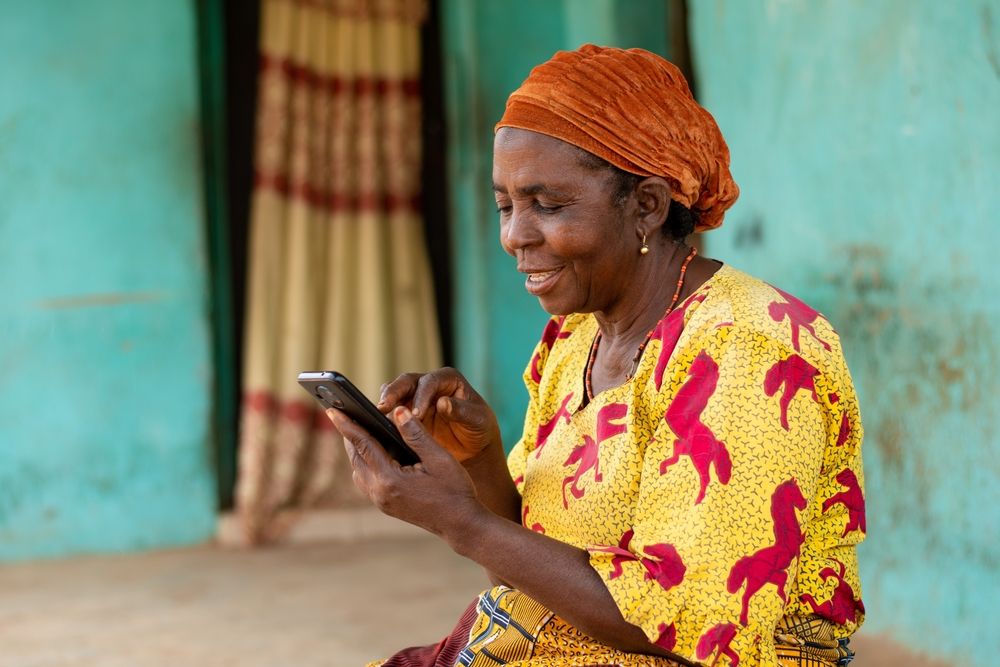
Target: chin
557	307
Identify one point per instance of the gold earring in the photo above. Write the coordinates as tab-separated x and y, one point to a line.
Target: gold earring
645	248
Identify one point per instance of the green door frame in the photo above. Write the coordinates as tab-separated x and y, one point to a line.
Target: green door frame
211	58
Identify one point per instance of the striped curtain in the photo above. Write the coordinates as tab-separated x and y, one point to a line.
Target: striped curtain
339	277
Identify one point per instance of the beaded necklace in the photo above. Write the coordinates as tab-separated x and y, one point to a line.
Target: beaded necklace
642	346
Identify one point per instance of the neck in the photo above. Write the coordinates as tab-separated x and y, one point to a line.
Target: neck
630	319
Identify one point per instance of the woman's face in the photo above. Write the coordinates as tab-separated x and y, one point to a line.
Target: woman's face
559	220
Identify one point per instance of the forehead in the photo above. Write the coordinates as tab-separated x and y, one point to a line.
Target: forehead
522	157
514	138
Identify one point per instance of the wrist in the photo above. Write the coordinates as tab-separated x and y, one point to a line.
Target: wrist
467	529
487	458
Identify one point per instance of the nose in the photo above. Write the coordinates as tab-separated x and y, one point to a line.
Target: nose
519	230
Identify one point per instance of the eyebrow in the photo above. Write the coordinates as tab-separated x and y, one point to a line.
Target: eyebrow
533	189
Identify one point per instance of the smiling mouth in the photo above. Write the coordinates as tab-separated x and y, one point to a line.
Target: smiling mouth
541	282
541	276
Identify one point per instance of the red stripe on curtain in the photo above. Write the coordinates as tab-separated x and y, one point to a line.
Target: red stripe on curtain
297	412
338	85
336	201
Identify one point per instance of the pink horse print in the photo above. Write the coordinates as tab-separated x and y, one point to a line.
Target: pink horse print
845	430
769	565
800	316
667	639
694	439
793	373
718	640
537	527
843	606
622	553
587	455
553	331
664	564
668	332
545	429
852	499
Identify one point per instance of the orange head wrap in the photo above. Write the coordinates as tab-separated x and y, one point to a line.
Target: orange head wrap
633	109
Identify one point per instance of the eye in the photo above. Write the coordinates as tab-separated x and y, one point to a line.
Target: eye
542	208
503	208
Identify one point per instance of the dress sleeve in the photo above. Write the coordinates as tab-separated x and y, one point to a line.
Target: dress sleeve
829	582
518	457
731	464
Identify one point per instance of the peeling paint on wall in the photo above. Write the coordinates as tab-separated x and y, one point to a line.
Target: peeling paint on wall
97	300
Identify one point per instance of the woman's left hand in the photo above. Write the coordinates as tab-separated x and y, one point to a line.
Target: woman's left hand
435	494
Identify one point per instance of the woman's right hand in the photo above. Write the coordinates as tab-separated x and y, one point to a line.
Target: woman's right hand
449	408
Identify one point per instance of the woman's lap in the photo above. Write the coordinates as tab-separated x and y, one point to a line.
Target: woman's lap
505	627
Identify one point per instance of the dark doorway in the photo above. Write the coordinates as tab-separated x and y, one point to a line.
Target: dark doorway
434	194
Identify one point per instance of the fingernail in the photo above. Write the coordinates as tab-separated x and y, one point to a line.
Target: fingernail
404	414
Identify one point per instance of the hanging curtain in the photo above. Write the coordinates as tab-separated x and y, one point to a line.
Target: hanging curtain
339	276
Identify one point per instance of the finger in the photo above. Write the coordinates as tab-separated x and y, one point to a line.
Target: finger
343	423
459	410
464	388
442	382
416	436
370	458
358	470
397	392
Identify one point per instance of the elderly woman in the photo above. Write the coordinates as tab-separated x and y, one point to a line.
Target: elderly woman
687	489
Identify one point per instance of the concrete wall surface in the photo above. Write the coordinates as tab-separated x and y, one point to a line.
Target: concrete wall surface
866	139
105	368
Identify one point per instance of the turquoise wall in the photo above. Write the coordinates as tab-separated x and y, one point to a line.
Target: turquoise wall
866	139
105	368
489	48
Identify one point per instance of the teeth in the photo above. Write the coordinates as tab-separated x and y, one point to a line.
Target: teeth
539	277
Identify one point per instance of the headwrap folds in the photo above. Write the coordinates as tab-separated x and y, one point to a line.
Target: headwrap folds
633	109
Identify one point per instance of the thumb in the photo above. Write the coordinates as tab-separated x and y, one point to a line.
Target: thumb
416	436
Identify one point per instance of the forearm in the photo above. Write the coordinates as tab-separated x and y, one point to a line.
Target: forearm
494	486
496	491
555	574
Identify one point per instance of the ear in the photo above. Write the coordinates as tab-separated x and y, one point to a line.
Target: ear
652	196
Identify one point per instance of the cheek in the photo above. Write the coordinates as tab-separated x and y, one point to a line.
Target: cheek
610	265
600	251
598	264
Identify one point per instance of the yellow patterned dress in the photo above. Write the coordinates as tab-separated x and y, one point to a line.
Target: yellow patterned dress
718	492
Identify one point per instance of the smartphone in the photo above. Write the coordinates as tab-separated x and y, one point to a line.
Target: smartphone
333	390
